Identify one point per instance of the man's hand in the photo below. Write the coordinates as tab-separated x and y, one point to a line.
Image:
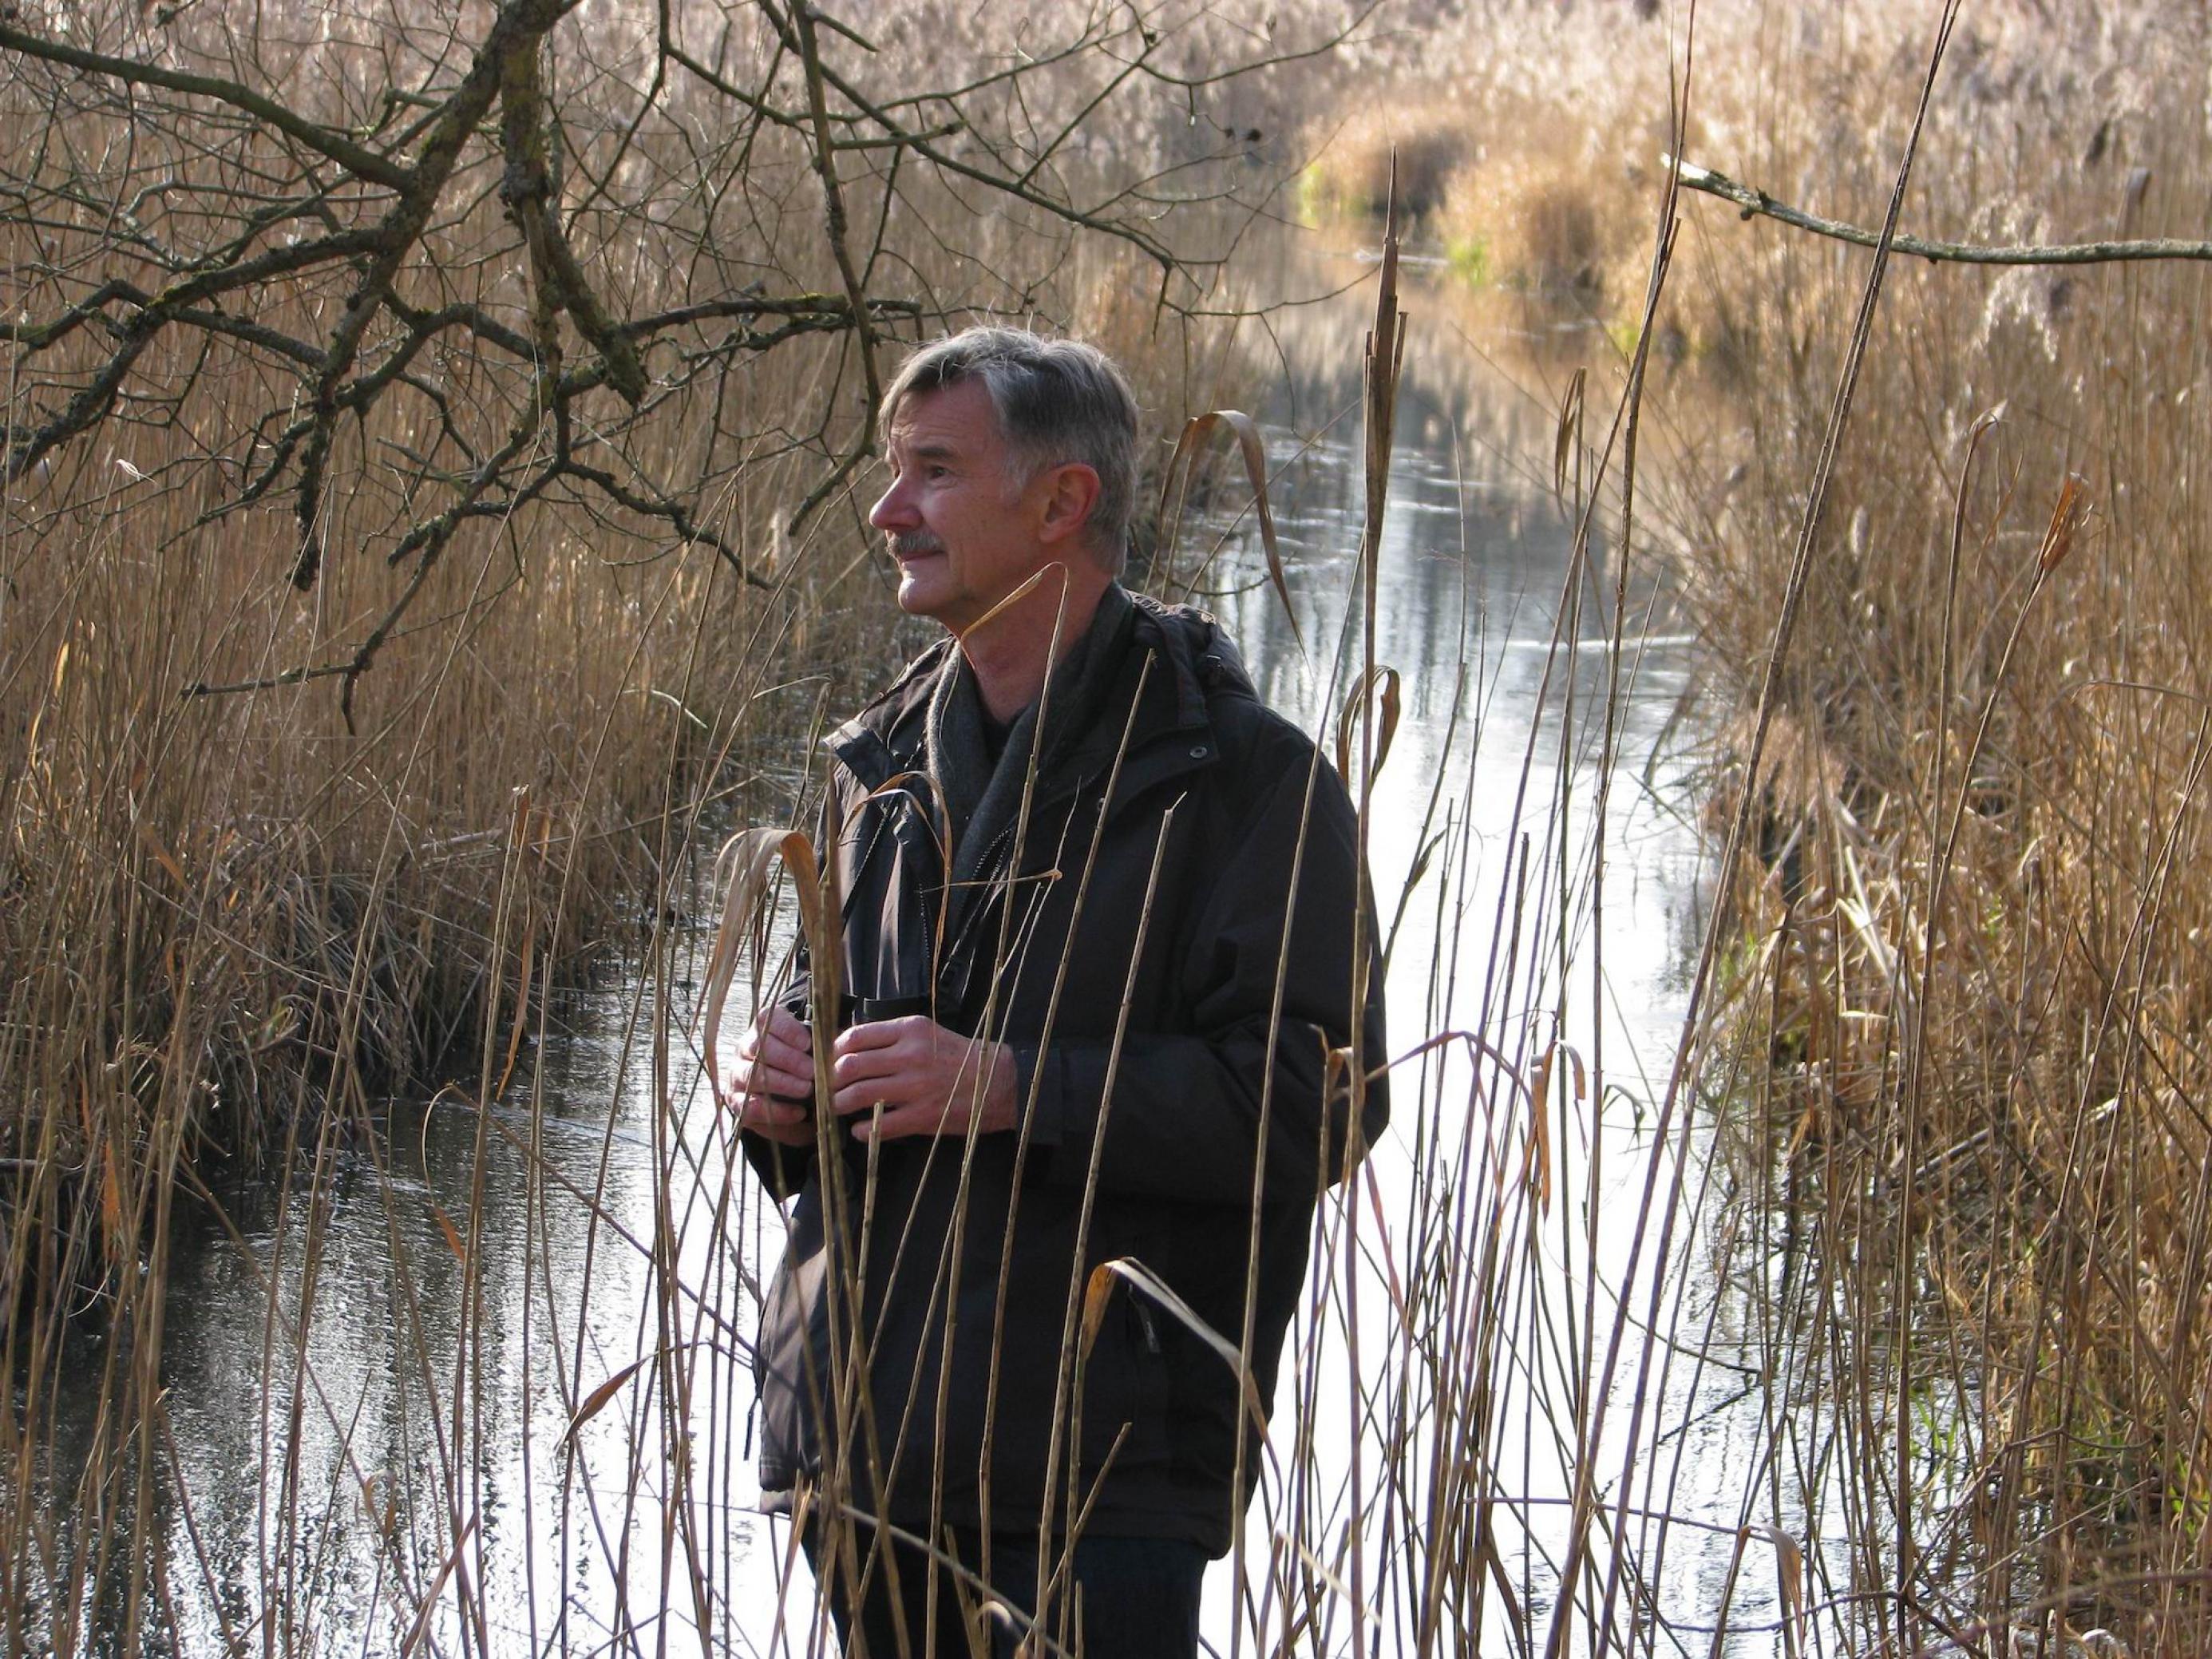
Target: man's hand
930	1081
775	1079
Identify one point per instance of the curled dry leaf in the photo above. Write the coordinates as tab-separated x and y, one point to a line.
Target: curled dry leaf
161	855
452	1235
1139	1277
1036	578
742	871
2065	519
1195	431
595	1402
1789	1568
1536	1163
1578	1070
1098	1292
1355	702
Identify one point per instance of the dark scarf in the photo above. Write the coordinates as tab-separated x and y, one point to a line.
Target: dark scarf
982	801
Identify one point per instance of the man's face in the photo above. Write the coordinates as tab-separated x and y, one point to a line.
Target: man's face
961	524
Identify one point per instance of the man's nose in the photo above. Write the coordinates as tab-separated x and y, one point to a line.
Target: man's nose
894	508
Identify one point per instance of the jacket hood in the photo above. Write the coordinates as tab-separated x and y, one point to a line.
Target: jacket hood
1205	659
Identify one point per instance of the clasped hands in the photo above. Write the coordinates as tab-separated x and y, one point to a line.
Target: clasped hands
928	1081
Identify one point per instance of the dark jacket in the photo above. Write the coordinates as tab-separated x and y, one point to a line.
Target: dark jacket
1192	860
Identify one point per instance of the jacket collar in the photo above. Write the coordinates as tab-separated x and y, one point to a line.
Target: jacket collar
1191	660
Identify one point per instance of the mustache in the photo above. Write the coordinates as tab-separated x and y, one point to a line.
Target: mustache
913	544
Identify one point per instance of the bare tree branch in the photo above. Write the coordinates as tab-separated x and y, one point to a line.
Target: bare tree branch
527	189
825	167
362	162
1758	202
517	30
348	266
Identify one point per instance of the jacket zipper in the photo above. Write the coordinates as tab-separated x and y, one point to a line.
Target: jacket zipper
1001	843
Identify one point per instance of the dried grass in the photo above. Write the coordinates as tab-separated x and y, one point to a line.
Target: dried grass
1979	975
1969	1017
1964	1072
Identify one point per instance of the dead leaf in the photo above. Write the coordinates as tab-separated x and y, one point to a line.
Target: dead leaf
162	855
452	1235
2065	519
1789	1568
743	871
1098	1292
595	1402
1253	447
1355	703
1134	1272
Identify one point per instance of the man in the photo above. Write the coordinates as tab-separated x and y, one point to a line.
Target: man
1065	843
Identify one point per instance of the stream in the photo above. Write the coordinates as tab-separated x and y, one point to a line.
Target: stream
475	1361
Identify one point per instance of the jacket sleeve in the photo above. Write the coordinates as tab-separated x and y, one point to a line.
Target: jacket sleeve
1190	1109
783	1170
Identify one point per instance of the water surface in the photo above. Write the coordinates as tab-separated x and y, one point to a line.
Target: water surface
504	1357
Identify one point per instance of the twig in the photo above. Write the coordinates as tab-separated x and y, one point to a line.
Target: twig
362	162
1758	202
803	19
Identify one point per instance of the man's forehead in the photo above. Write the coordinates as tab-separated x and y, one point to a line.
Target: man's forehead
956	419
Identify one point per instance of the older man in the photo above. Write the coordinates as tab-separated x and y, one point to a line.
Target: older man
1098	926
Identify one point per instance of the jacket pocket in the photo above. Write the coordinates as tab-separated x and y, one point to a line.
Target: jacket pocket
791	1355
1125	1388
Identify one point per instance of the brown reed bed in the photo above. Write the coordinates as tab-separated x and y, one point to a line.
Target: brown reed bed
1959	1068
263	799
1968	1014
322	769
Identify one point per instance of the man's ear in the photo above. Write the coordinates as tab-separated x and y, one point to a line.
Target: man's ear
1071	490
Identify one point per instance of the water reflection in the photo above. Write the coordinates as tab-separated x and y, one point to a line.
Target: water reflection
1560	911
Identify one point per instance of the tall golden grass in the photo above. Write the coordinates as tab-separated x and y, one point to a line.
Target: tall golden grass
1970	1009
1968	1012
240	907
1982	976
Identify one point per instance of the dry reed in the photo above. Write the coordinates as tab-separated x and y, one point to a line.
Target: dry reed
1969	1004
1960	1072
1965	1022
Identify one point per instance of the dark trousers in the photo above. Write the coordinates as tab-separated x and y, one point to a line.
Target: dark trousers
1138	1599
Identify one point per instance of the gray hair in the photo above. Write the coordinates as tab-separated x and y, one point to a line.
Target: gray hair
1056	401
